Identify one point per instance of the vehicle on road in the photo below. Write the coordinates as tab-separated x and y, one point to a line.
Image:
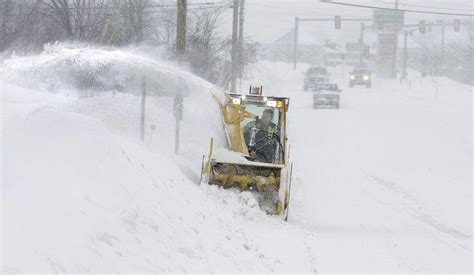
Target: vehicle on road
312	81
326	95
360	77
256	156
315	75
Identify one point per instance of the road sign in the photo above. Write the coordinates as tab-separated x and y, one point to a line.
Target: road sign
353	47
388	18
386	43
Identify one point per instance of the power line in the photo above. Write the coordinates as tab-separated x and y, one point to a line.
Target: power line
196	5
289	10
424	6
403	10
115	12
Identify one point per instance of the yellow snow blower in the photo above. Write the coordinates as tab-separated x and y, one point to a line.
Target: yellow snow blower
257	155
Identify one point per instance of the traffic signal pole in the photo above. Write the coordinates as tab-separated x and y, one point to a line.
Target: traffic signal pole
395	33
404	71
295	46
298	20
422	29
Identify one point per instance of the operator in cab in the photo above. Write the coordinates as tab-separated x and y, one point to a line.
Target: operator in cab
261	137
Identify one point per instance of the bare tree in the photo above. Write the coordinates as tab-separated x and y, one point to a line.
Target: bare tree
133	12
208	52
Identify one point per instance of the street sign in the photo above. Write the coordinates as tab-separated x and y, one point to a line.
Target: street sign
388	18
386	43
353	47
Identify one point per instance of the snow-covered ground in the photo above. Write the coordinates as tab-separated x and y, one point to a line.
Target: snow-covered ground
385	182
382	185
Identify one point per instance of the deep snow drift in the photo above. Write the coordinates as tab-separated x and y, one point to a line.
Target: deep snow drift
382	185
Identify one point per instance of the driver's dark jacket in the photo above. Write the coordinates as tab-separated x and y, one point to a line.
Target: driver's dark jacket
265	140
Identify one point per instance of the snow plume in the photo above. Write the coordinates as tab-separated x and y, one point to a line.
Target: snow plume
83	71
66	68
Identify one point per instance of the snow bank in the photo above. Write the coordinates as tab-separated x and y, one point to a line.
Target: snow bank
78	198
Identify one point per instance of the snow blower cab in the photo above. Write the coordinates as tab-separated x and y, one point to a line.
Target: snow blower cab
256	157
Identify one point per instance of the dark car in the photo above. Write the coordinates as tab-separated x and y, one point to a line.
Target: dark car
315	75
317	71
360	77
312	81
326	96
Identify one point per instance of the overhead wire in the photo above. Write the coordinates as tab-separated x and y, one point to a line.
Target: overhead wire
426	6
393	9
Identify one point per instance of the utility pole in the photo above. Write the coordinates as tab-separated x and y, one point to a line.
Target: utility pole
180	29
394	62
404	72
442	47
241	43
295	49
235	46
178	115
180	51
361	43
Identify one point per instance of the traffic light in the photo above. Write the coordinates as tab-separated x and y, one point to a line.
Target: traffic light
337	22
457	25
422	26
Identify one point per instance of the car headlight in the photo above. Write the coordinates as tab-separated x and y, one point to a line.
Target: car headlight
352	77
366	77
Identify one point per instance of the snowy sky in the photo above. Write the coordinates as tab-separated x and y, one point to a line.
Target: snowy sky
266	21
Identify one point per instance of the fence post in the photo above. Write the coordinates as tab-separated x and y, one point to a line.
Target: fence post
178	113
142	111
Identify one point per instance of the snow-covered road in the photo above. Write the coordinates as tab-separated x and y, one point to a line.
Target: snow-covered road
384	183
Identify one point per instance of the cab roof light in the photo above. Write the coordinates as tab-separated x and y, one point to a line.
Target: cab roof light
236	101
271	103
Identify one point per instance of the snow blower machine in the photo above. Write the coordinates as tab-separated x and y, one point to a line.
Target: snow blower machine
257	155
